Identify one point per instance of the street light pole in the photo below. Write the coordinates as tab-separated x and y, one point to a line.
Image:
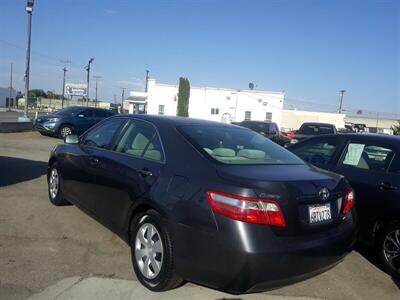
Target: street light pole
11	83
87	68
63	87
122	100
147	80
96	77
29	9
341	100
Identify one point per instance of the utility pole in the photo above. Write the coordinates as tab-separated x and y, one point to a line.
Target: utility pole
96	77
11	83
29	10
63	86
147	80
87	68
122	100
377	120
341	100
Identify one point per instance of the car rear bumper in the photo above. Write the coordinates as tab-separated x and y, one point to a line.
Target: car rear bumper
244	258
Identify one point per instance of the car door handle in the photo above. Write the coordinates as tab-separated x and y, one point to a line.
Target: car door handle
145	172
387	186
94	160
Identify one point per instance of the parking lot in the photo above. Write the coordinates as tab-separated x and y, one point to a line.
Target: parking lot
49	252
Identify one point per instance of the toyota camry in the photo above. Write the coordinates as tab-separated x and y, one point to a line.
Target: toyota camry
205	202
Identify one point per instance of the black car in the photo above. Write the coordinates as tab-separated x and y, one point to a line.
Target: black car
70	120
371	163
206	202
308	130
267	129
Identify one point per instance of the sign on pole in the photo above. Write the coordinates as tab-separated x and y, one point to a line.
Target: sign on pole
76	89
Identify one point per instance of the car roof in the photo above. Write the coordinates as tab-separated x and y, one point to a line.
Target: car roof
253	121
175	121
317	123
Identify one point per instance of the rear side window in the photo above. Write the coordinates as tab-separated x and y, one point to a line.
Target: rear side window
141	139
103	135
232	145
366	157
102	113
318	152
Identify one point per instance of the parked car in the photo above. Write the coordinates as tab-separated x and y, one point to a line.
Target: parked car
308	130
267	129
371	163
70	120
206	202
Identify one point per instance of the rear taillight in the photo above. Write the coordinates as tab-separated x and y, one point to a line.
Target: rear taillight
291	135
349	201
250	210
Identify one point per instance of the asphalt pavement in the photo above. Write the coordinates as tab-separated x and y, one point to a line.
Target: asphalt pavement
49	252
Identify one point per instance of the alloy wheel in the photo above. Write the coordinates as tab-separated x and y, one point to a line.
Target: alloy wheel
149	250
65	131
53	183
391	249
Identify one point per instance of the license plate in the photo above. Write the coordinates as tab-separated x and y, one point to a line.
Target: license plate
320	213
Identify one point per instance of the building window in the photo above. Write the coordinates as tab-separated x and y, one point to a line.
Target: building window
228	97
215	111
268	116
265	103
161	109
247	115
259	100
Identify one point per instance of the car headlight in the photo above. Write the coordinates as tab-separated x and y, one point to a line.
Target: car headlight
49	124
51	120
293	141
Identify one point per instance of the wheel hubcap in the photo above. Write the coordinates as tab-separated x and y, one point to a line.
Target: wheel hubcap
65	131
53	183
148	250
391	249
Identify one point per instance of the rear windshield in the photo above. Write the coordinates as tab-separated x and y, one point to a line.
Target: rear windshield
233	145
315	129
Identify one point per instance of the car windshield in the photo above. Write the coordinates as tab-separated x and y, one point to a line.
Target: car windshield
69	111
315	129
238	146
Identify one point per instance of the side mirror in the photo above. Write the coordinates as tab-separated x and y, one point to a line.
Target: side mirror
81	116
71	139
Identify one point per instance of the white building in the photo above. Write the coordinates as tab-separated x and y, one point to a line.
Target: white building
217	104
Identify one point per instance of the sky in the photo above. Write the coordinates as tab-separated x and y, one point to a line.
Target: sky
309	49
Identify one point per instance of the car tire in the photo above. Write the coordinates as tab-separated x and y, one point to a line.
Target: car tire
389	249
65	130
54	183
157	273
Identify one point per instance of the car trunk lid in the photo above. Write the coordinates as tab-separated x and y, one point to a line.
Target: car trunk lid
306	194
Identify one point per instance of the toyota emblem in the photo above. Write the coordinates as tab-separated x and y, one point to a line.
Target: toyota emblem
324	194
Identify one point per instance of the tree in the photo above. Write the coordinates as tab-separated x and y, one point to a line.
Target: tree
183	97
396	128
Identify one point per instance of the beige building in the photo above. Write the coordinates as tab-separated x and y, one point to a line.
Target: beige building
380	125
293	119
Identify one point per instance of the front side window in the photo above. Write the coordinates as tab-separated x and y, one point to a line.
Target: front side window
231	145
102	113
366	157
320	152
141	139
102	136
